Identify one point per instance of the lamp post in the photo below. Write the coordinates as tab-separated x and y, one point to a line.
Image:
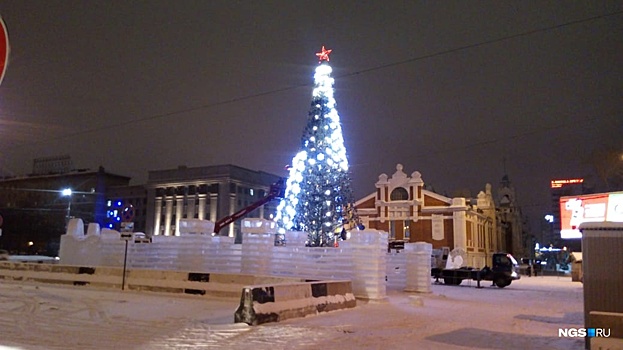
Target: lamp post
66	192
550	220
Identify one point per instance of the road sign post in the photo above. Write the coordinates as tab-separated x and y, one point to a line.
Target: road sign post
126	236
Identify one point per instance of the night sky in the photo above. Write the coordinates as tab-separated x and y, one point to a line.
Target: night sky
461	91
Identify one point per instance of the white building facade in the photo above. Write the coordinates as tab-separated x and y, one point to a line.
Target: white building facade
207	193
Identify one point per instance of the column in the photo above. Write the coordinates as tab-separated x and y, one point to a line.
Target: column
190	211
167	215
202	206
459	224
179	207
232	209
213	206
157	215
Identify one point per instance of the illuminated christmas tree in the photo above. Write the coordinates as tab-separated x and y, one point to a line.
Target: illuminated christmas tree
318	197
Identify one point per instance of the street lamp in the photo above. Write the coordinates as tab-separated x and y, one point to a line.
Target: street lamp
66	192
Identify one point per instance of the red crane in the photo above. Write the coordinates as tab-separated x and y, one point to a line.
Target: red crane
277	190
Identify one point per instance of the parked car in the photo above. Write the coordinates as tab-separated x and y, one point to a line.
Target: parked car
4	255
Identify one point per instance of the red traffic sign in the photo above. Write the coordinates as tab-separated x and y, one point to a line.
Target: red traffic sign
4	49
127	214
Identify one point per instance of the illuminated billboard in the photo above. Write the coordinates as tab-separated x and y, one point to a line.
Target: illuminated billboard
560	183
598	207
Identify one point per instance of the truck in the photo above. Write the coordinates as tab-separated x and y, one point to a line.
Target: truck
504	269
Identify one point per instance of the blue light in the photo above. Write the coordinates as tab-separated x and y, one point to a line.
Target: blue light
118	218
108	204
110	225
118	203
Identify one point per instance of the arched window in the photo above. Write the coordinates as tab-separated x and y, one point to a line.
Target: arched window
399	194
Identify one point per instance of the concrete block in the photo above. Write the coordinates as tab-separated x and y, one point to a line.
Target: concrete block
273	303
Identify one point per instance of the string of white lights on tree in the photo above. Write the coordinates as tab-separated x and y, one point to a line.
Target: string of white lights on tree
318	197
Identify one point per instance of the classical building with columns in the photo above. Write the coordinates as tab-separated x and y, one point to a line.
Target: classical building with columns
404	208
209	193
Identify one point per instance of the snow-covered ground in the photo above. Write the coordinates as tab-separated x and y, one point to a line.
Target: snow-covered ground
525	315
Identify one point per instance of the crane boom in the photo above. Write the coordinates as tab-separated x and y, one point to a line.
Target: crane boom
277	190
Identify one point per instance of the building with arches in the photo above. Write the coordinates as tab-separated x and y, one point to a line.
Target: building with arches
403	207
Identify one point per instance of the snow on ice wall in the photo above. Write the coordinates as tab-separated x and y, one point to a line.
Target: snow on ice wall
361	259
419	262
396	269
368	249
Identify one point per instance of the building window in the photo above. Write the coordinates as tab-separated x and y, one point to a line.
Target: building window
399	194
392	230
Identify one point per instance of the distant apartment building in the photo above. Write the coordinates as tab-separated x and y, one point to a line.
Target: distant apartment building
35	210
209	193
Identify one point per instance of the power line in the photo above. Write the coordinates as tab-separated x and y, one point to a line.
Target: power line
359	72
488	42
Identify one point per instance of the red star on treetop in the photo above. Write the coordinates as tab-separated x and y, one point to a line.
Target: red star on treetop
324	55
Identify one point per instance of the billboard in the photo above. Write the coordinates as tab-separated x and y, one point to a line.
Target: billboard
561	183
598	207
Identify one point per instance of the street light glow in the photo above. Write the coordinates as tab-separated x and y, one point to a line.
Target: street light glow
66	192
